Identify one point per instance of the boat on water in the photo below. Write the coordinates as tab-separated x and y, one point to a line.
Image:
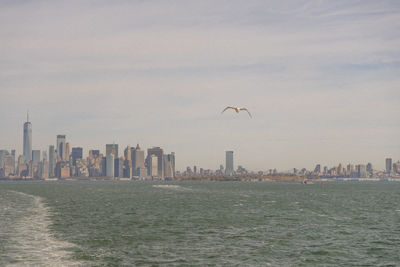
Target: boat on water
307	182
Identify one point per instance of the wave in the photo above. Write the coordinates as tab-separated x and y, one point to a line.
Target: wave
29	238
170	186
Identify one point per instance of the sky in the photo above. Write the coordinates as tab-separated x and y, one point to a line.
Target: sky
321	79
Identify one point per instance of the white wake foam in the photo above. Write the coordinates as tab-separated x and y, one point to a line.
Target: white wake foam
31	241
170	186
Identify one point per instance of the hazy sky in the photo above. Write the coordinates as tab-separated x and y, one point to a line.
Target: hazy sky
322	78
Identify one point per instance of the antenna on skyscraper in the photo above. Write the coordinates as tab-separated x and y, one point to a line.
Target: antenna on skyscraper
27	115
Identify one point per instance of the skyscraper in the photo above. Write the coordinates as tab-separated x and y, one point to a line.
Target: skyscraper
112	149
67	151
137	159
153	166
22	167
396	167
13	156
172	160
110	165
61	148
119	167
103	165
317	168
370	169
159	153
77	153
340	170
44	169
229	163
128	153
94	153
3	154
52	161
138	162
349	169
8	165
362	171
36	157
27	139
389	165
169	165
127	171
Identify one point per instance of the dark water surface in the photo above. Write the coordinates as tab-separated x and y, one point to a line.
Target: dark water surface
199	223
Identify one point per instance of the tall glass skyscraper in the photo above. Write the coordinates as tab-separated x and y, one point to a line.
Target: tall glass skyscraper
388	165
110	172
77	153
112	149
138	166
61	147
27	139
169	165
229	163
36	157
159	153
52	161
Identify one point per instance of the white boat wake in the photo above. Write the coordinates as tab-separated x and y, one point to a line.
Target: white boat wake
28	239
170	186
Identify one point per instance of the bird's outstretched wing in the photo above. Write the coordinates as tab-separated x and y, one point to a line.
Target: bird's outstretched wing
227	108
245	109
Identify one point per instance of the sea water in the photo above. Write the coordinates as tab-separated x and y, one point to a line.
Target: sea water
199	223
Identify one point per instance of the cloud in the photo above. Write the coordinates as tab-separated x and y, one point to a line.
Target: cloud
321	78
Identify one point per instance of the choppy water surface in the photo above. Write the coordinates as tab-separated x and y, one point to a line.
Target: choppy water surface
199	223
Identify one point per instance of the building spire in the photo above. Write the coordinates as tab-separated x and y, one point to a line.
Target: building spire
27	115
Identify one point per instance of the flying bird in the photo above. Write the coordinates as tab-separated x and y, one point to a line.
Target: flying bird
237	110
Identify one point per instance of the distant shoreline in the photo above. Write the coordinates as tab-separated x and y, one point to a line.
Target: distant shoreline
291	179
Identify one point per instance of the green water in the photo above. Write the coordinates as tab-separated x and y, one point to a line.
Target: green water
199	223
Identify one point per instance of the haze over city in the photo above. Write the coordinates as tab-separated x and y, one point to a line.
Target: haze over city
321	79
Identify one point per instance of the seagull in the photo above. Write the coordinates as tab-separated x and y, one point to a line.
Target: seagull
237	110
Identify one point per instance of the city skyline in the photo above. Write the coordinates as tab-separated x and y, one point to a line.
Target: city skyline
67	161
321	79
157	166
